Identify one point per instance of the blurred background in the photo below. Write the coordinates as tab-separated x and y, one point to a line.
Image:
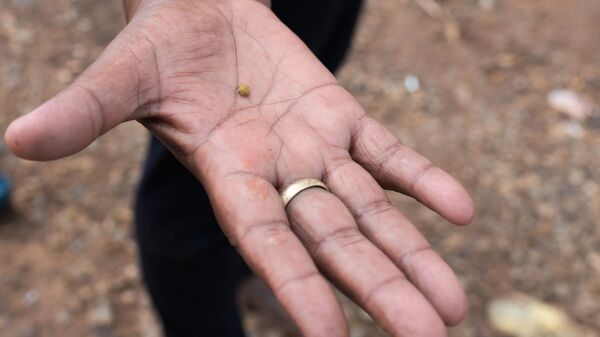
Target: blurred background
501	93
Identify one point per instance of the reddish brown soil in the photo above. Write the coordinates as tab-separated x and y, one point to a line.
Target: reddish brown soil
68	264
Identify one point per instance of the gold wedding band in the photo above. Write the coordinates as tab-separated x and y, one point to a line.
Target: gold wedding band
293	189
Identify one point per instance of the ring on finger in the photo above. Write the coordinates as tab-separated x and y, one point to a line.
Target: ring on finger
290	191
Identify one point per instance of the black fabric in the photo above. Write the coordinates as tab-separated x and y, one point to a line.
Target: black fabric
190	269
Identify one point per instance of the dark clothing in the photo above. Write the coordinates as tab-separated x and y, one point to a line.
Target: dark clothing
189	267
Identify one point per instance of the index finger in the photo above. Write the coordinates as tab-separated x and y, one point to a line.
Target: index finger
397	167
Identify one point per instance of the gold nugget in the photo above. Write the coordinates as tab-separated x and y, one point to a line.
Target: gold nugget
243	90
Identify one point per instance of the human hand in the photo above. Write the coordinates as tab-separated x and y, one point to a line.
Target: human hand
175	69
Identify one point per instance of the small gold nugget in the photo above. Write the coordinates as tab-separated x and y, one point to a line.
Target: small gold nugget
243	90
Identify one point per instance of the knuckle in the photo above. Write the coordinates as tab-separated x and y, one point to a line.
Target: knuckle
389	152
342	237
373	208
381	286
421	172
336	166
95	108
274	233
406	260
280	287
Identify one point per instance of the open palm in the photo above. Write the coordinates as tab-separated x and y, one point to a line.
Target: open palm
175	68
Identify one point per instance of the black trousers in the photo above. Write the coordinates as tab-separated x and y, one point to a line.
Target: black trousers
189	268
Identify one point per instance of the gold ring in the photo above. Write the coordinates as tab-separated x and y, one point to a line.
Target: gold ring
293	189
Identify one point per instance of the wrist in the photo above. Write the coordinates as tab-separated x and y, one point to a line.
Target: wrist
132	6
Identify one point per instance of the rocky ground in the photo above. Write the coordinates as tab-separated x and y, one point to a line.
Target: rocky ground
465	82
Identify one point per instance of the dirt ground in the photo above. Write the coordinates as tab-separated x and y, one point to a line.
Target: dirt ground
484	70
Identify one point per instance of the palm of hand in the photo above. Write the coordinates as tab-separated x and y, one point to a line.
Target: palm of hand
177	74
198	113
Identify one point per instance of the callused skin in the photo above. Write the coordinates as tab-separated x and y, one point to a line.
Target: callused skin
175	68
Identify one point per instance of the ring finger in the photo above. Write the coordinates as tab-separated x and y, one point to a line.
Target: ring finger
359	268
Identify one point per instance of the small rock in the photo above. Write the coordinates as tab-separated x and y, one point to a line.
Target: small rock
570	103
101	315
31	297
131	272
594	120
412	83
573	129
520	315
487	4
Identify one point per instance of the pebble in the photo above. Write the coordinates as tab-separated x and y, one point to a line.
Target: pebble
573	129
243	90
570	103
101	315
593	121
412	83
521	315
131	272
31	297
487	4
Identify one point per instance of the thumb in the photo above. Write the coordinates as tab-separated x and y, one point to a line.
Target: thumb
104	95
